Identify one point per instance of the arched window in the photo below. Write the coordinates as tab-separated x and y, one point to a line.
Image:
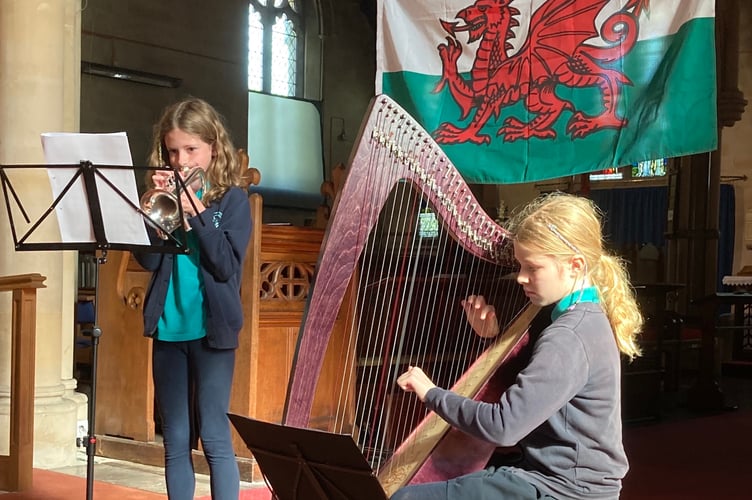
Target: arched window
281	105
275	47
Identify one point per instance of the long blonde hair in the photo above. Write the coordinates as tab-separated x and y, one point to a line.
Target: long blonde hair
563	225
197	117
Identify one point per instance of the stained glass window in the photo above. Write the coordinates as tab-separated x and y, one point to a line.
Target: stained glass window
275	29
428	224
650	168
255	51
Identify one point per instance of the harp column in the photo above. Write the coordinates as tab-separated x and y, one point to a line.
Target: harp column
39	88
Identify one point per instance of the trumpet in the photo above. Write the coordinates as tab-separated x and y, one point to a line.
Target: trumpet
163	205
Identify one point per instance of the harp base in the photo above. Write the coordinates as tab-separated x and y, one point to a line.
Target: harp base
308	464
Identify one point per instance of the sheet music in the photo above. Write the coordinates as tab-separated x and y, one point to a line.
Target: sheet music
122	223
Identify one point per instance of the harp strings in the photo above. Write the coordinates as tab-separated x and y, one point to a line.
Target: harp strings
410	284
345	413
387	262
396	238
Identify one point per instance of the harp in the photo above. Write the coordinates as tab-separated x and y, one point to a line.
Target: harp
406	242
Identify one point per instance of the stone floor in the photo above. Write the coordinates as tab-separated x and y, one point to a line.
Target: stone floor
133	475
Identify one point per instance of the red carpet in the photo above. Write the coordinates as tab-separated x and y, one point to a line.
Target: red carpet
49	485
699	458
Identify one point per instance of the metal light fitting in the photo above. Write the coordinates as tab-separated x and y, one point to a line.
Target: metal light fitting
129	75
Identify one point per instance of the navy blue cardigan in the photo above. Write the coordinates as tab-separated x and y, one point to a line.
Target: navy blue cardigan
223	239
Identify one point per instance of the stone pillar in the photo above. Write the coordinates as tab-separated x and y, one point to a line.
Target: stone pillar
39	92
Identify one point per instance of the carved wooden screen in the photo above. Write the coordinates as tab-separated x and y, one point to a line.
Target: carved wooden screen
406	242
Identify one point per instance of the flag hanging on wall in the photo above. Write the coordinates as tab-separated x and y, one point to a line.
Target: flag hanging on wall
526	90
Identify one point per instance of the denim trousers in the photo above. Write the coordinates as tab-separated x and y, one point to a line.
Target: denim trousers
488	484
187	374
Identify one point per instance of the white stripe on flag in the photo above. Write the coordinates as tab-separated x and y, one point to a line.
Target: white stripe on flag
408	31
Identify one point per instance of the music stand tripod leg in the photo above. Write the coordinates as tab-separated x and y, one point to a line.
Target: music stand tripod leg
96	333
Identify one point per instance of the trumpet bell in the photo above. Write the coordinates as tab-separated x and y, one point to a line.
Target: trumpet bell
163	206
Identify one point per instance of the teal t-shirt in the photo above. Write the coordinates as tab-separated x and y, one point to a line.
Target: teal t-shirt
184	315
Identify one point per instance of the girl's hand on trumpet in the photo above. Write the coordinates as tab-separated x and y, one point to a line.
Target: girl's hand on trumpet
192	204
191	209
164	179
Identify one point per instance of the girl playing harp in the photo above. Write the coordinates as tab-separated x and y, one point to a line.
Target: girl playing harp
564	409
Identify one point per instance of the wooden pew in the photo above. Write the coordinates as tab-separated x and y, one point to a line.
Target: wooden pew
277	274
16	467
276	280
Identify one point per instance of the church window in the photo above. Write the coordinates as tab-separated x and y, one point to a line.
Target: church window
275	47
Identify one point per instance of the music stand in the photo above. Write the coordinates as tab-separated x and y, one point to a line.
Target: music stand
90	174
306	464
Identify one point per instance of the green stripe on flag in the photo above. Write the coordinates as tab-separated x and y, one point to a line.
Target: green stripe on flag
671	108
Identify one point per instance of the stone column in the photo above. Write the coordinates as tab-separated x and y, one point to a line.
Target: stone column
39	92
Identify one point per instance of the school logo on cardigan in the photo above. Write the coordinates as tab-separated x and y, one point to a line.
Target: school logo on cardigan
217	218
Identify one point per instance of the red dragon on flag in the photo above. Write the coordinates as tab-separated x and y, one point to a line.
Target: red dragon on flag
556	52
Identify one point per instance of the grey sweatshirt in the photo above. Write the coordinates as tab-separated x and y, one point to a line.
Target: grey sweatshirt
564	409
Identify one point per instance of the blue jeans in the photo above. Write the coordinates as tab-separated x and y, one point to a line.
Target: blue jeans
489	484
192	371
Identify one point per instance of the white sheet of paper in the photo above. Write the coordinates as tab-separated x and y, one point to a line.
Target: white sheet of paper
122	223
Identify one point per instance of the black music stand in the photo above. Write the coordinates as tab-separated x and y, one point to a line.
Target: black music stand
306	464
90	174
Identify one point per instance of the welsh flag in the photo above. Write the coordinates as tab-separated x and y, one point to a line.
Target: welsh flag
526	90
